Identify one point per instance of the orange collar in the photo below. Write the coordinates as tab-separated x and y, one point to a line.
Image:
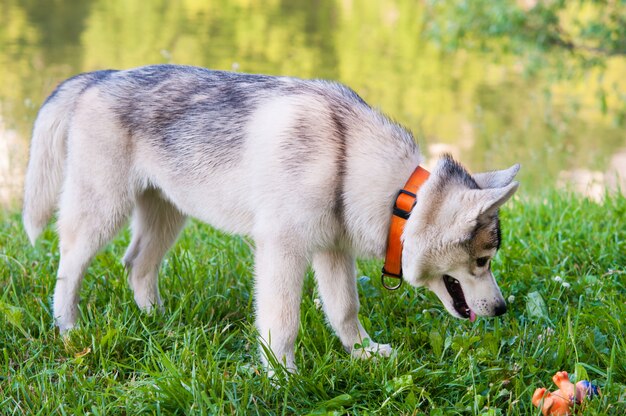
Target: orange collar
404	203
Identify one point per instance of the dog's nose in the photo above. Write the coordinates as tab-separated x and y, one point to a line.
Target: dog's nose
500	309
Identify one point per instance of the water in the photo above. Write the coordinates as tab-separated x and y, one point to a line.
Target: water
485	109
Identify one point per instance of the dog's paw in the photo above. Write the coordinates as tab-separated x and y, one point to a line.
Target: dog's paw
373	349
384	350
151	308
65	326
149	304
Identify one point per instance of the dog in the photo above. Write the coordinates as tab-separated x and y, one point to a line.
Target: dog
306	168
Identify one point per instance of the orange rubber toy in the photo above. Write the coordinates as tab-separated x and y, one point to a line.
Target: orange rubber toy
562	401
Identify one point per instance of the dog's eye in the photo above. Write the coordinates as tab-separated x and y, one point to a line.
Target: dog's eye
482	261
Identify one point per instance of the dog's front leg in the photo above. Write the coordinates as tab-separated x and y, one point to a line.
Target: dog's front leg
336	278
279	275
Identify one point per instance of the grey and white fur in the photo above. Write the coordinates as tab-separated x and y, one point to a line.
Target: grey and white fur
305	168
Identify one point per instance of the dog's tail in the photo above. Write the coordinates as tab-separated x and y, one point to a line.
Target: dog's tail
46	166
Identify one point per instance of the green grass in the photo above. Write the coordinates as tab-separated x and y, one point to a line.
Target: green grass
201	356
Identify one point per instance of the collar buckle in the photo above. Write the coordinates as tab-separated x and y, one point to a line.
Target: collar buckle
399	212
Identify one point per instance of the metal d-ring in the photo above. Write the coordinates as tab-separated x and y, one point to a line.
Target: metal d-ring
393	276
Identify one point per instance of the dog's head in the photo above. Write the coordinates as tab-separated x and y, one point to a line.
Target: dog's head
452	235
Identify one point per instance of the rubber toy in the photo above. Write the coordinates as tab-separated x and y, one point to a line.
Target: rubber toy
562	401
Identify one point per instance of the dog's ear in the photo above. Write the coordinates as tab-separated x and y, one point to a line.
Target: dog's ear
497	178
485	202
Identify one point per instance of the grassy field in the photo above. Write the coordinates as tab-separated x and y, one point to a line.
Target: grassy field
562	266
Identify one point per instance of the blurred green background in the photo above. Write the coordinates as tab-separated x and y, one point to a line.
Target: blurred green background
542	83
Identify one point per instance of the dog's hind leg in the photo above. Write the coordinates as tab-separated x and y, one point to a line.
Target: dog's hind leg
88	219
336	278
155	226
279	268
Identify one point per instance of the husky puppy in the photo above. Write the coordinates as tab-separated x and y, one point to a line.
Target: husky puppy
304	167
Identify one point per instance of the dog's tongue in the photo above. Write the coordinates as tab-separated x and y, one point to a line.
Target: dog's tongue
472	317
